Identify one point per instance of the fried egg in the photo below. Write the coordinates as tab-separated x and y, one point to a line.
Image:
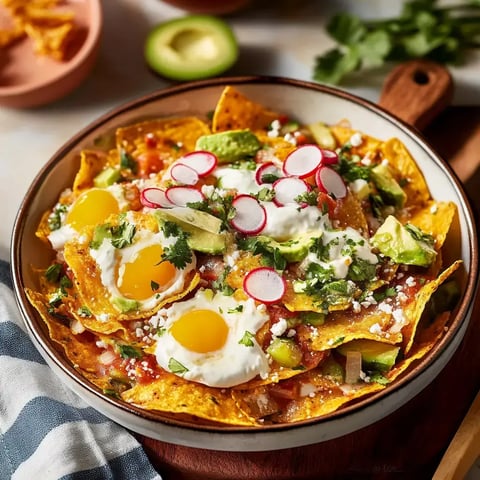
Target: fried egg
134	276
92	207
210	339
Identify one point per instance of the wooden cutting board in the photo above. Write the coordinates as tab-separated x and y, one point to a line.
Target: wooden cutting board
409	443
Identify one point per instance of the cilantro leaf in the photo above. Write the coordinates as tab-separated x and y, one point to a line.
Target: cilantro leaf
423	29
176	367
247	339
128	351
179	254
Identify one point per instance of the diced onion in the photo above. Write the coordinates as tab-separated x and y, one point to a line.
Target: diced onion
353	367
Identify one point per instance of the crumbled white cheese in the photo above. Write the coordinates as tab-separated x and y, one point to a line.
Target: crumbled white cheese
279	328
356	139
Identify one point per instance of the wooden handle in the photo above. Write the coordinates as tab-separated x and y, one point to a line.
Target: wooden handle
417	91
464	449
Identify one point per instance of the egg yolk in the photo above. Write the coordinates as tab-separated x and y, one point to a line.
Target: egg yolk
200	331
145	274
92	208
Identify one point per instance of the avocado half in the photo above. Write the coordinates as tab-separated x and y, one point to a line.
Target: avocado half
191	47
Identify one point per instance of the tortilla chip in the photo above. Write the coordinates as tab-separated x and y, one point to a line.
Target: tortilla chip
414	309
92	162
402	161
172	137
51	30
325	397
349	213
435	218
344	326
370	146
175	395
79	349
234	111
423	344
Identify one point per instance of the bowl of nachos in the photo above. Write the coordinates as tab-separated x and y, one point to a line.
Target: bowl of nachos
246	263
48	48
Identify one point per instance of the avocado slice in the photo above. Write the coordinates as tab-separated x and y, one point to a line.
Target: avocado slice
107	177
231	145
322	135
404	244
293	250
195	218
125	304
285	352
375	355
199	239
389	189
191	47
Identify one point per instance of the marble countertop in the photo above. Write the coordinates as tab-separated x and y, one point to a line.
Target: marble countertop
283	38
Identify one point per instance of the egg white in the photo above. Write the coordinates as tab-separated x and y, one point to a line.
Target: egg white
228	366
110	260
65	233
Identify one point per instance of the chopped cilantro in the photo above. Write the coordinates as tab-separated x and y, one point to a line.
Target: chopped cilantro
53	272
127	161
154	285
271	255
84	311
221	285
269	178
419	235
55	218
128	351
61	292
247	339
310	197
120	235
383	294
176	367
237	309
265	194
361	270
180	253
351	169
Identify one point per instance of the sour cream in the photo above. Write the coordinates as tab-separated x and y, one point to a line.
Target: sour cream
289	220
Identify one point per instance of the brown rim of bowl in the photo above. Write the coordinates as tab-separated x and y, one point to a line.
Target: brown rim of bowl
92	39
31	317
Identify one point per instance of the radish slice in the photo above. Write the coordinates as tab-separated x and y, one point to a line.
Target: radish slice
184	174
329	181
264	284
181	196
155	198
303	161
329	157
201	161
287	189
268	168
250	217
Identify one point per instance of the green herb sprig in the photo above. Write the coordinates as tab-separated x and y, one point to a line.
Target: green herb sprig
422	30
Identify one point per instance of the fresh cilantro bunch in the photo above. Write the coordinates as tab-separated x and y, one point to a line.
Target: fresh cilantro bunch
422	30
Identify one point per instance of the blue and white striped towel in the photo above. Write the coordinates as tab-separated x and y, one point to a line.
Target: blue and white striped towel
46	431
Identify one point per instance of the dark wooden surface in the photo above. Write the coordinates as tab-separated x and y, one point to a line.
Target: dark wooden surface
409	443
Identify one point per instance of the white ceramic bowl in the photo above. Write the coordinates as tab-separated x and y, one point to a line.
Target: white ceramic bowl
310	102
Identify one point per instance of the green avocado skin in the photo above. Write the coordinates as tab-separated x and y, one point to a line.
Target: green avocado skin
230	146
191	47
